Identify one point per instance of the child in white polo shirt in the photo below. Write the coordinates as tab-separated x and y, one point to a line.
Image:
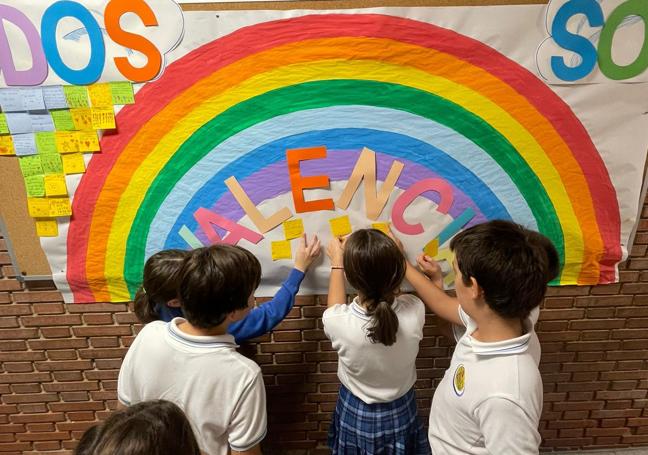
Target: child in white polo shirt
490	399
377	340
193	362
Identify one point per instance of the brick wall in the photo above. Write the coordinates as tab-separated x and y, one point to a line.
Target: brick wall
60	363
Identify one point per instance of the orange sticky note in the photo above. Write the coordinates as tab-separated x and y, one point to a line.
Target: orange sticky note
432	248
55	185
59	206
100	95
46	228
340	226
281	250
384	227
82	118
67	142
103	118
38	207
293	229
88	141
6	146
73	163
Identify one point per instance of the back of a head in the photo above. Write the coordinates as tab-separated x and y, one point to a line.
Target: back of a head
159	283
375	267
216	280
511	264
149	428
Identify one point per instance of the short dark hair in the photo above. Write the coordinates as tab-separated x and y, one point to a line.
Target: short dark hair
159	283
155	427
511	264
375	266
216	280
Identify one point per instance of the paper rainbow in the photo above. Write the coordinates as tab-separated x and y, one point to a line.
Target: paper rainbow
445	104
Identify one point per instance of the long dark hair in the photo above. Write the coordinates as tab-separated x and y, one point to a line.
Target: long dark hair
375	267
156	427
159	284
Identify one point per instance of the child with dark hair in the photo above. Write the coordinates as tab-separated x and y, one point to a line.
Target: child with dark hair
193	362
490	399
156	427
157	298
377	340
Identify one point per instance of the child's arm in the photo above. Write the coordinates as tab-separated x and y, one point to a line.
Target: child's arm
337	292
507	428
431	290
265	317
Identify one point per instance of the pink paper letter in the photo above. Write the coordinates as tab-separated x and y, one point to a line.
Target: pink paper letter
404	200
236	232
38	72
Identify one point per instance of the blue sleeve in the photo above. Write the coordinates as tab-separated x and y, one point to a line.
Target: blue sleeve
167	313
265	317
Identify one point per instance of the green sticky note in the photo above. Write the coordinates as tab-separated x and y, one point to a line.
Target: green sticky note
62	120
122	92
35	185
31	165
52	163
46	142
76	96
4	128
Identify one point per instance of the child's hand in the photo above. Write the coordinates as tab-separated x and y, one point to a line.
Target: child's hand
335	251
431	269
306	253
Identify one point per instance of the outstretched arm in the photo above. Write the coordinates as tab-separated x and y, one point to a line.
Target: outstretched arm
337	292
265	317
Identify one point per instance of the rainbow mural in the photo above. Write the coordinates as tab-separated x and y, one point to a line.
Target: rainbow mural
445	105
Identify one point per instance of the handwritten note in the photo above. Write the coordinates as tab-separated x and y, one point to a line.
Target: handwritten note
82	118
293	228
19	122
59	206
340	226
46	142
88	141
24	144
11	100
431	248
31	165
54	97
281	250
67	142
76	96
122	93
384	227
51	163
42	122
103	118
46	228
33	98
6	146
73	163
35	186
100	95
62	120
4	128
38	207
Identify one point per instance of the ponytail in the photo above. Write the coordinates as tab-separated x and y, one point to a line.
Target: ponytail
384	323
145	307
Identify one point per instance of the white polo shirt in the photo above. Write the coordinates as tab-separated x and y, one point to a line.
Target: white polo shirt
373	372
490	400
220	391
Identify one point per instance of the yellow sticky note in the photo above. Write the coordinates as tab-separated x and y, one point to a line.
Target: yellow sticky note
340	226
448	256
67	142
47	228
59	206
4	128
38	207
293	229
82	118
6	146
76	95
103	118
35	186
281	250
88	141
100	95
384	227
55	185
432	248
122	92
73	163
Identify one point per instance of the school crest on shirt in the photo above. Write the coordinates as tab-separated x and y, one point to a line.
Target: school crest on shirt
459	380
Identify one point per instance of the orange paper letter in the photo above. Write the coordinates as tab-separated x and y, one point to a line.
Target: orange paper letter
299	183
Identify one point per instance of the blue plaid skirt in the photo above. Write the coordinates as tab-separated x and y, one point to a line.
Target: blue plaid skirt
391	428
